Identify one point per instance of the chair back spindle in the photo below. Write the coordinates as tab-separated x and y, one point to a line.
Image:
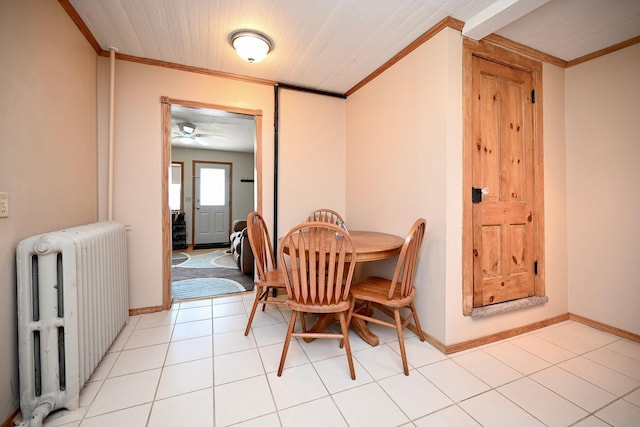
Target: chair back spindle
321	276
325	215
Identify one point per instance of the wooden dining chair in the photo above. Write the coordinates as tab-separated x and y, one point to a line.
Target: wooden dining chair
396	293
318	276
325	215
268	276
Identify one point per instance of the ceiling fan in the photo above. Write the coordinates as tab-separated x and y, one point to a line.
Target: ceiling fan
187	134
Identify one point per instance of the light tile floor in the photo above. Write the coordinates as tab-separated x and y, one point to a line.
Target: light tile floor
193	366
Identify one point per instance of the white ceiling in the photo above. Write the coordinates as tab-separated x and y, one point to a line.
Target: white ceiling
332	45
215	130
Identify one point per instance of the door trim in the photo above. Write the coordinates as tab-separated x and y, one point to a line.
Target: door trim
166	103
488	51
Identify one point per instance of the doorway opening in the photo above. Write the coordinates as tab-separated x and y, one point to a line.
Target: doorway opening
218	150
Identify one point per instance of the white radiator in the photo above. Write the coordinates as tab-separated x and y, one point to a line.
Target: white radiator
72	303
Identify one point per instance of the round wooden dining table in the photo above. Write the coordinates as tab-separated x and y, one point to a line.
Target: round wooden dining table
370	246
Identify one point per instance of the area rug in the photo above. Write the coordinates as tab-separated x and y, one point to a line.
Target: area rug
204	287
206	274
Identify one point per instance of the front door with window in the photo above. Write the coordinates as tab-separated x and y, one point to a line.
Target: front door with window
212	193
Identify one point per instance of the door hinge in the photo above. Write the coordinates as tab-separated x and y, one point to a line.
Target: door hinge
533	96
535	268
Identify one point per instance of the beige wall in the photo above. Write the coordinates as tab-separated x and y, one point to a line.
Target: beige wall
47	145
404	160
603	173
398	144
555	187
241	192
311	165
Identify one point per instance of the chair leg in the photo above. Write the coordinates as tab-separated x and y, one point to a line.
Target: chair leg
347	346
350	312
287	340
417	321
253	309
265	294
403	353
303	322
349	317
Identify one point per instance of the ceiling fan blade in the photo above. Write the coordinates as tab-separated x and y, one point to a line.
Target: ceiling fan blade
201	141
182	139
209	136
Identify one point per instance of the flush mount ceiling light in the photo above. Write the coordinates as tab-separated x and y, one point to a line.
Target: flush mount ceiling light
252	46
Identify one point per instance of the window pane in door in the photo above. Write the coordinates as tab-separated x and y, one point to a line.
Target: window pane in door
212	185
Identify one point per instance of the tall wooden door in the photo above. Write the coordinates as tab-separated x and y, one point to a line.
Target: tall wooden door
503	184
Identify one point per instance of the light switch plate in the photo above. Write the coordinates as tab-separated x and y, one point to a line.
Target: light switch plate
4	205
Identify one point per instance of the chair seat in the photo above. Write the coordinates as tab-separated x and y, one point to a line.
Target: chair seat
376	290
273	279
320	308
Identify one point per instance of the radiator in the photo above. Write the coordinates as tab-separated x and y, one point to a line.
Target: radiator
72	303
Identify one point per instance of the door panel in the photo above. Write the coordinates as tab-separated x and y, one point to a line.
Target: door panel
212	192
503	165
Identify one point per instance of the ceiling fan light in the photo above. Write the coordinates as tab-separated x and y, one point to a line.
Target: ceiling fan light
187	129
251	46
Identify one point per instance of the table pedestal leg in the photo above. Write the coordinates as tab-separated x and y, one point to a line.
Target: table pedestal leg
359	327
